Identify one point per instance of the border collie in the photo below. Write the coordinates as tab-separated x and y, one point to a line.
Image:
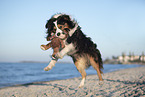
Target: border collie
81	48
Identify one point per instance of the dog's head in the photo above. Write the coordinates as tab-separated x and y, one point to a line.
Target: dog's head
59	25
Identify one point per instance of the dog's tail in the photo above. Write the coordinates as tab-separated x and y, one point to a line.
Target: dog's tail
98	60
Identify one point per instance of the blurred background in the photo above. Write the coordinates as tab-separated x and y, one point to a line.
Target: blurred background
116	26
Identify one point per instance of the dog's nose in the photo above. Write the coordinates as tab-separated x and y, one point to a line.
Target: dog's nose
58	34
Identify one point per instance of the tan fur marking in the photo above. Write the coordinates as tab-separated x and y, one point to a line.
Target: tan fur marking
63	26
80	64
96	67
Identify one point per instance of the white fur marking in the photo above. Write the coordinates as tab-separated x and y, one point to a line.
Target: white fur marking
57	29
68	48
73	30
51	65
57	15
61	36
64	51
82	83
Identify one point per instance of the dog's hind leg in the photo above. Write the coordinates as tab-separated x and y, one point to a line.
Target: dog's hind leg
80	64
96	67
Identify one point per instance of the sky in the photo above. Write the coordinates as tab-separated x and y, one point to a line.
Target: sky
116	26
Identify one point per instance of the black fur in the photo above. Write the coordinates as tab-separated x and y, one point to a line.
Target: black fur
65	19
50	27
84	45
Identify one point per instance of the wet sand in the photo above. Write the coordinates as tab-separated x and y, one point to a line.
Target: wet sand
126	82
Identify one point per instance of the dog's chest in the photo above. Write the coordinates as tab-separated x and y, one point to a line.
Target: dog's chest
69	47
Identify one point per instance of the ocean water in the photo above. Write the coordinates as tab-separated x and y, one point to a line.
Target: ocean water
22	73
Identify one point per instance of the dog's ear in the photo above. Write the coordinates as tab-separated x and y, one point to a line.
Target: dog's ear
66	19
49	23
48	38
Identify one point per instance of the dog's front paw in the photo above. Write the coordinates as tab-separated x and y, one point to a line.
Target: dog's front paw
47	68
58	55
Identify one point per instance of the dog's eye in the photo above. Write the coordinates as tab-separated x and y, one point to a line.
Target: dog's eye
60	27
66	29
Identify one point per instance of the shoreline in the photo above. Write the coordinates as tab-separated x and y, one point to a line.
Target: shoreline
124	82
34	82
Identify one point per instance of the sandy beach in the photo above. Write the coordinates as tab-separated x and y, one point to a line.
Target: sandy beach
127	82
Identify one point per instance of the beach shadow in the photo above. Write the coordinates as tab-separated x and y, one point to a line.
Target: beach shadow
128	85
60	87
29	84
127	82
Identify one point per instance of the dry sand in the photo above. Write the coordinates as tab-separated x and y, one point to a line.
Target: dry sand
127	82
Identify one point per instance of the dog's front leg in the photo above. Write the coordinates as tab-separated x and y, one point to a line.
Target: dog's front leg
51	65
65	50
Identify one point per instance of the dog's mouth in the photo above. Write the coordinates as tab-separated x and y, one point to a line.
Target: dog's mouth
58	34
61	35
